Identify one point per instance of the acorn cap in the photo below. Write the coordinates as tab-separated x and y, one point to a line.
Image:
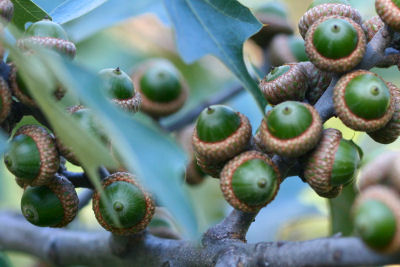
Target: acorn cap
283	83
391	131
54	204
326	10
335	43
119	87
334	192
162	68
389	11
38	166
372	26
209	167
361	107
129	202
6	10
318	82
376	214
320	2
296	129
223	150
5	100
250	181
194	174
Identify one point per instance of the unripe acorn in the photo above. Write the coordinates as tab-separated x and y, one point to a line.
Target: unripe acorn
161	86
46	33
128	202
335	43
286	49
325	10
32	155
318	82
5	100
287	82
291	129
6	10
250	181
332	163
376	215
220	134
391	131
389	11
372	26
363	101
119	87
52	205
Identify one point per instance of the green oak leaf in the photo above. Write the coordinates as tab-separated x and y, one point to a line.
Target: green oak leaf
26	11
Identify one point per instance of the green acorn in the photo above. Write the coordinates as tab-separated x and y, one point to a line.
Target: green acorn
220	134
46	33
119	87
6	10
291	129
286	49
389	11
274	17
363	101
5	100
129	203
376	216
318	82
32	155
317	12
161	86
335	43
391	131
333	162
52	205
286	82
372	26
250	181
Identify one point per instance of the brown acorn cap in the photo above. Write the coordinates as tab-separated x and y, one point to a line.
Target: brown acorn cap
391	199
209	167
391	131
348	117
158	109
272	25
325	10
291	85
394	173
297	146
334	192
279	51
65	191
193	174
341	64
60	45
258	144
318	81
389	13
221	151
131	104
318	168
6	100
229	170
49	157
150	208
6	10
372	26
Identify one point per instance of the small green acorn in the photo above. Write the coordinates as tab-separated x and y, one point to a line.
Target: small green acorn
332	163
286	82
372	26
376	216
363	101
32	155
286	49
128	203
335	43
250	181
51	205
5	100
119	87
6	10
318	82
389	12
161	86
291	129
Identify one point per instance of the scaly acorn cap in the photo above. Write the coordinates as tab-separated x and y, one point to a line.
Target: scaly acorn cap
318	82
283	83
5	100
250	181
6	10
334	192
46	33
220	134
363	101
32	155
133	207
372	26
286	49
376	214
52	205
209	167
335	43
291	129
119	87
326	10
389	12
391	131
332	163
194	173
161	86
